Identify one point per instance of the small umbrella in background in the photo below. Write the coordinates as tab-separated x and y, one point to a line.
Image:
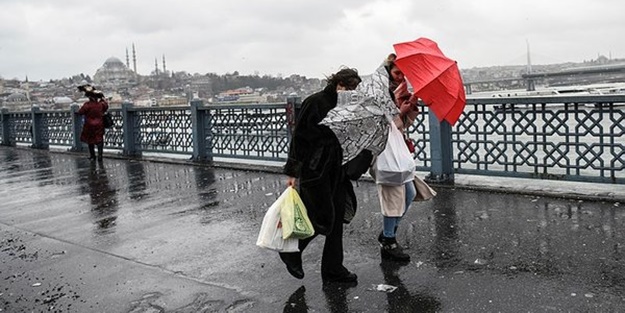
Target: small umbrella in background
358	123
434	77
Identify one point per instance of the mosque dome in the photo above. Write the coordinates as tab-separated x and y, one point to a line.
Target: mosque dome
113	72
113	62
16	97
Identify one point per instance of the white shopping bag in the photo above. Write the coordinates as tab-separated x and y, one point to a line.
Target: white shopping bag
395	165
270	235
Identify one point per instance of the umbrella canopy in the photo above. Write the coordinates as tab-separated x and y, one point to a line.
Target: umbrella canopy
434	77
358	123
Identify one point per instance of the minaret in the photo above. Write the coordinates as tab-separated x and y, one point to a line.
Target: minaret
127	59
134	58
164	66
27	89
156	66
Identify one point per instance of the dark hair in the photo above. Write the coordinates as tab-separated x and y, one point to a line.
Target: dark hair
347	77
389	63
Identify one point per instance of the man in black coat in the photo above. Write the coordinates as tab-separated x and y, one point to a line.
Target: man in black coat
315	158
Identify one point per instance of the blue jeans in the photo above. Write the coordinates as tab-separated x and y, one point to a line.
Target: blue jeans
391	223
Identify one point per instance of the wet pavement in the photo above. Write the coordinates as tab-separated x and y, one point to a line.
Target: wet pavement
136	236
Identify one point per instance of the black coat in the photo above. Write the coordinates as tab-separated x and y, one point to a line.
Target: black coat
315	157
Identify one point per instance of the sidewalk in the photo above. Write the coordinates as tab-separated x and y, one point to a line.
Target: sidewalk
138	236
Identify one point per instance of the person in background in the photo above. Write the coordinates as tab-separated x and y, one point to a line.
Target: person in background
315	160
93	127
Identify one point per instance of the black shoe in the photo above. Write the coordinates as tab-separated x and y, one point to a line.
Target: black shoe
345	278
381	238
390	250
293	262
100	158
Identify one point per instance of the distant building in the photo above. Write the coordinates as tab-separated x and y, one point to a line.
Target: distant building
241	95
62	103
114	73
17	102
167	101
200	85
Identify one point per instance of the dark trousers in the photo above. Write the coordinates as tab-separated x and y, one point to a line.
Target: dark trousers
332	258
92	150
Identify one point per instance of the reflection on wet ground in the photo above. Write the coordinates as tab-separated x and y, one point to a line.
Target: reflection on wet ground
401	299
296	302
471	251
103	197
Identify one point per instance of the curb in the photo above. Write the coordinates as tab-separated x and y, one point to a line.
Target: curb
506	185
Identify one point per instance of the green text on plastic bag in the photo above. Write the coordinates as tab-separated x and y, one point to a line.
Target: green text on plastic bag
294	218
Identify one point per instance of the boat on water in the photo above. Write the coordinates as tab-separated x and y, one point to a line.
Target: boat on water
554	91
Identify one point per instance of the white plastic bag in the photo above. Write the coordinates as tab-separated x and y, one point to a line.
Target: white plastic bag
270	234
395	165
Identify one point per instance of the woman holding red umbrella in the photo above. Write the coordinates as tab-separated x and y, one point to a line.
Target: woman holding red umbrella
390	88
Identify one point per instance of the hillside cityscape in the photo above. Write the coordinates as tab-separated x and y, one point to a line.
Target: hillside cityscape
162	87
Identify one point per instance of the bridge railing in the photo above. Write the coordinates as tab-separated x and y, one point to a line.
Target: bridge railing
576	138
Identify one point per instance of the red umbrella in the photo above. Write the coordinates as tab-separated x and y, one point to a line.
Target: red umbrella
434	77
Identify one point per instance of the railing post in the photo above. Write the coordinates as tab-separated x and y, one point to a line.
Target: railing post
441	150
293	107
200	121
37	129
7	140
77	145
130	117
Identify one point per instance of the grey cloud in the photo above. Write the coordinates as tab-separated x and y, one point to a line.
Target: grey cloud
295	36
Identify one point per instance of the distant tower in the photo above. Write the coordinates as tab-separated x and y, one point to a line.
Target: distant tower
134	58
27	89
529	60
127	59
531	86
164	66
156	66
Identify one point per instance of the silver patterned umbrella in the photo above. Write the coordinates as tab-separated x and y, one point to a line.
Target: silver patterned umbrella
358	123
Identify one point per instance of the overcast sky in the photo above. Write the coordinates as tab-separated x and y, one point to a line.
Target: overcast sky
51	39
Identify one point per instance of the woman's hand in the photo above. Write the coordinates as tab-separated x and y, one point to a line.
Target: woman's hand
401	92
413	99
406	107
291	181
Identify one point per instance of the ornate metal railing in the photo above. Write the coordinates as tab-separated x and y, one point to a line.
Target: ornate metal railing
249	132
564	138
59	127
164	130
419	133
